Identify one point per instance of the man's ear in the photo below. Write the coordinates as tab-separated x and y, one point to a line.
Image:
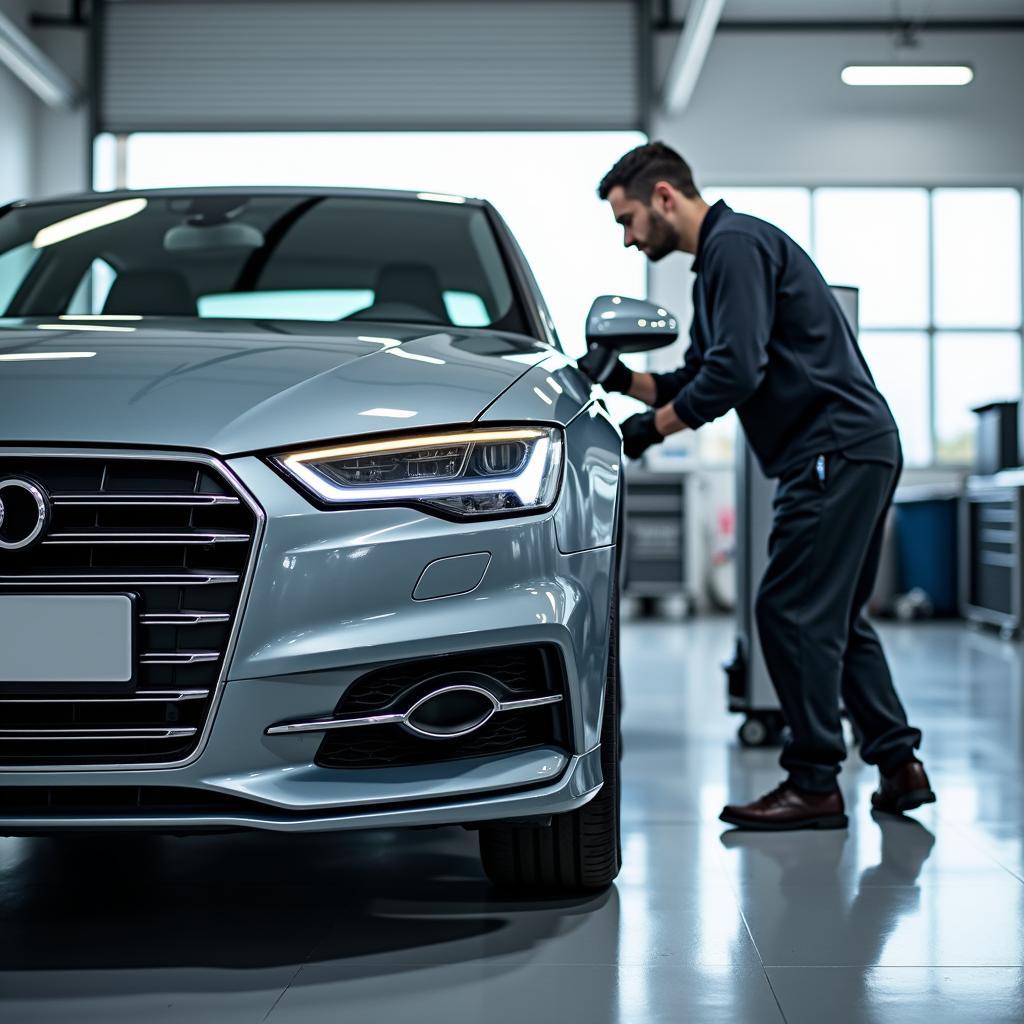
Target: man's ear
664	195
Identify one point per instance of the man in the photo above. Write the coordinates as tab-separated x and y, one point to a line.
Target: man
769	340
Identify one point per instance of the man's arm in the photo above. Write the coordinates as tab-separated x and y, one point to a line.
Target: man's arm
741	297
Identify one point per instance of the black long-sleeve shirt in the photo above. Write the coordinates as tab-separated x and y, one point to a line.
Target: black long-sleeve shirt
769	340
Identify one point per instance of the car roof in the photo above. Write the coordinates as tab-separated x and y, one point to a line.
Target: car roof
256	190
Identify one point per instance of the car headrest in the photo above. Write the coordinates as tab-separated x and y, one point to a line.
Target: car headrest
414	284
150	293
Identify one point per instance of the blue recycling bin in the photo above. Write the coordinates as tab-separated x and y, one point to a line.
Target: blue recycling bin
927	539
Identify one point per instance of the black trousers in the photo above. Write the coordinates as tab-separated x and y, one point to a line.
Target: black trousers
824	552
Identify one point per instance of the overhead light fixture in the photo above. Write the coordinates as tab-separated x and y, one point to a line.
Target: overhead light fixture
907	74
24	59
89	220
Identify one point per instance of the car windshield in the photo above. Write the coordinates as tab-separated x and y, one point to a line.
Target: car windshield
275	257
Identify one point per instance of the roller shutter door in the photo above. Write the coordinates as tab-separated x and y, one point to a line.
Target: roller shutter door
265	65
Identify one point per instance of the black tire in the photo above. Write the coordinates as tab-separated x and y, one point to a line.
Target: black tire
581	850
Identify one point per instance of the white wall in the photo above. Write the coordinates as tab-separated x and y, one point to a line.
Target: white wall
42	151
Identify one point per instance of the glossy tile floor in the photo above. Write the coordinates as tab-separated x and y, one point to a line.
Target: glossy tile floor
897	920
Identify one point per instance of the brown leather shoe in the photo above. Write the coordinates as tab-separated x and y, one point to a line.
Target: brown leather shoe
904	790
787	808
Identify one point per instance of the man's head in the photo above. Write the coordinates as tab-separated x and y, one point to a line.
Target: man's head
653	197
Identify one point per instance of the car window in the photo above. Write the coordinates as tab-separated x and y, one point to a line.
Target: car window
464	309
14	266
287	256
304	304
92	291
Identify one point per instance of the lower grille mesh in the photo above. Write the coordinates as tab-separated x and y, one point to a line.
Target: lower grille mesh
176	536
519	672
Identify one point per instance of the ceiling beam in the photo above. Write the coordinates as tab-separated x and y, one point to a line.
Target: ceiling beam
25	60
691	50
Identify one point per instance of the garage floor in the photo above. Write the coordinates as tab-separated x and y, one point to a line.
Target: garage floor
898	920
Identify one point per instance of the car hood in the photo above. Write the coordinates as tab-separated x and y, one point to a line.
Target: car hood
239	386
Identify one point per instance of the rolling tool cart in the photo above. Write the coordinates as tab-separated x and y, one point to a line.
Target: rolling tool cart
992	554
750	689
749	686
656	539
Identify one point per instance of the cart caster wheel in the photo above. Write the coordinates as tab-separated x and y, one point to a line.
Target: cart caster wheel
766	730
754	732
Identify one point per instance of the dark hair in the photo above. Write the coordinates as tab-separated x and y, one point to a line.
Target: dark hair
643	167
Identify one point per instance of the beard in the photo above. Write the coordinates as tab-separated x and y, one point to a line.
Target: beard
663	238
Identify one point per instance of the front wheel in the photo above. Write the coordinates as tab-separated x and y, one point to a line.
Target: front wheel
580	850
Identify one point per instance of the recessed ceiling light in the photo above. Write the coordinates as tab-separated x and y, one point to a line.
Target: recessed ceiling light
907	74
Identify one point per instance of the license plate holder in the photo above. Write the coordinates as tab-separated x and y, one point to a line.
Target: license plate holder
67	643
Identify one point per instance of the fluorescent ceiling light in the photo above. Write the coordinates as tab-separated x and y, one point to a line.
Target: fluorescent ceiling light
90	220
907	74
31	357
24	59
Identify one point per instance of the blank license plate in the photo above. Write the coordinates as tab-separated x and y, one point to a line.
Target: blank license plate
66	638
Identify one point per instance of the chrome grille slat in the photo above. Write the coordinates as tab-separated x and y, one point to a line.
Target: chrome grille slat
121	580
178	657
150	696
184	618
97	734
177	532
145	537
178	500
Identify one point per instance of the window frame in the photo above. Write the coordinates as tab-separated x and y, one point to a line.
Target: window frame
931	329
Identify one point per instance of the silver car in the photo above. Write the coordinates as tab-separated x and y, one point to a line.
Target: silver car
306	523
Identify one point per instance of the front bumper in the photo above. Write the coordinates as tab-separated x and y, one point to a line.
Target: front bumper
331	599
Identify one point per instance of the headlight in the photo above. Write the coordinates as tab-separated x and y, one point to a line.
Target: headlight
485	472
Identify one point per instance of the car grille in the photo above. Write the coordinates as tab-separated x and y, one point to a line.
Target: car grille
517	672
174	534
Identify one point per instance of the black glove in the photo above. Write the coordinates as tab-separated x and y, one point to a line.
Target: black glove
639	433
604	368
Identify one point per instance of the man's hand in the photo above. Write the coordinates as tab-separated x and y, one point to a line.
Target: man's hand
604	368
639	433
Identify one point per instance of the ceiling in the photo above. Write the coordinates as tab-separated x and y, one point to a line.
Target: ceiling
863	10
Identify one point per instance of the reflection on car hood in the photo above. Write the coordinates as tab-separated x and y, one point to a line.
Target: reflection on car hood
237	386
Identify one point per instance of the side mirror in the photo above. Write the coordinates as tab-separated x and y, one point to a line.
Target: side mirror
629	325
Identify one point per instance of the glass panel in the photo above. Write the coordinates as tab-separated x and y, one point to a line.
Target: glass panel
281	253
786	208
311	304
466	309
92	290
977	257
970	370
899	364
877	240
14	267
717	439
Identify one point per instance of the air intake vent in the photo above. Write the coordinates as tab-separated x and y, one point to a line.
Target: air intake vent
451	726
177	536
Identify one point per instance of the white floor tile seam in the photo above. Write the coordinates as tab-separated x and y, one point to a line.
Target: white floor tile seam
961	829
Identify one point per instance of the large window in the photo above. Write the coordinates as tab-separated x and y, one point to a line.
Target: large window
939	273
